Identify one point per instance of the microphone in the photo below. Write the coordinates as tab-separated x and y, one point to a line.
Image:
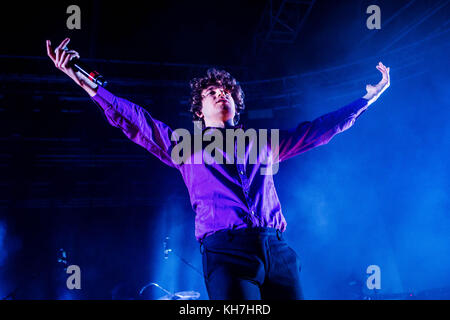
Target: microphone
87	71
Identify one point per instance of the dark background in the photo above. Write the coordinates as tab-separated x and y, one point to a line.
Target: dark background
376	195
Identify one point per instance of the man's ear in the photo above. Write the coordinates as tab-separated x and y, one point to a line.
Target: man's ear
199	114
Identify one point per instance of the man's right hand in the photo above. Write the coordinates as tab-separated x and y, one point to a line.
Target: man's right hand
61	58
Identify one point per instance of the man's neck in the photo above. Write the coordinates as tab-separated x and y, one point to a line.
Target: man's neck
220	124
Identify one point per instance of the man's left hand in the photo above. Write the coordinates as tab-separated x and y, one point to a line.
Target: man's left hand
373	92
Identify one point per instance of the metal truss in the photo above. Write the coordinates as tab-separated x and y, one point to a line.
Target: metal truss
281	21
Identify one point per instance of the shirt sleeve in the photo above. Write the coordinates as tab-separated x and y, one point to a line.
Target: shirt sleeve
137	124
311	134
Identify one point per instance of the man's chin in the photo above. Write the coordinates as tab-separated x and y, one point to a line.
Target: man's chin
224	107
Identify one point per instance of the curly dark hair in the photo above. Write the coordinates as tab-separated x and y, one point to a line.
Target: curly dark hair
215	77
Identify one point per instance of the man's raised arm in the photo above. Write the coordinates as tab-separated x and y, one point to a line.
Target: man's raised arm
61	59
311	134
135	122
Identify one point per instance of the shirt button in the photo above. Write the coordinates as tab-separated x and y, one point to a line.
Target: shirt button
241	172
253	212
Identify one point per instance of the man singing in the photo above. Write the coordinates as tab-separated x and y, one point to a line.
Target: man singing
238	222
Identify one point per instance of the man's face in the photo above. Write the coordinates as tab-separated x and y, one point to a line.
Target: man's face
217	105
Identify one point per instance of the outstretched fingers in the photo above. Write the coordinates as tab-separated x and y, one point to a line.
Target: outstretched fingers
384	70
50	52
71	54
59	50
61	59
63	44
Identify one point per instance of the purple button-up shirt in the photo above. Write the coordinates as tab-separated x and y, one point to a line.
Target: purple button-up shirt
228	196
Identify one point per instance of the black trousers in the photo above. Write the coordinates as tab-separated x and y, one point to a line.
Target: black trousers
250	264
